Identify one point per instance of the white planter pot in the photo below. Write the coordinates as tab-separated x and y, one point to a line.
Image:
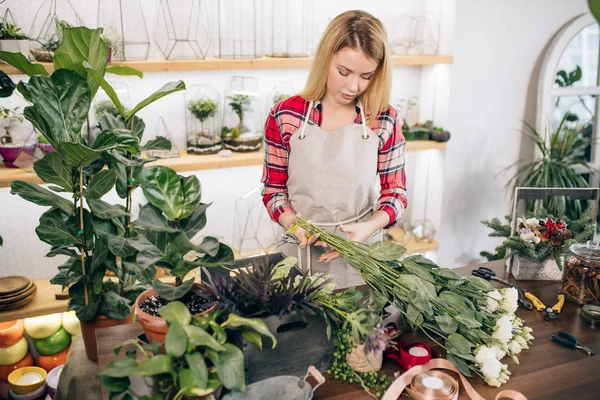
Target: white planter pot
16	46
527	269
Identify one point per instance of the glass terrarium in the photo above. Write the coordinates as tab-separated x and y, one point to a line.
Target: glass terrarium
238	29
281	91
182	30
12	38
162	130
15	137
242	119
203	120
46	30
415	34
125	29
103	104
288	28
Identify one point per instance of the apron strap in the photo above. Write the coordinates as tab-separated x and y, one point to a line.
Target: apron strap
364	122
305	122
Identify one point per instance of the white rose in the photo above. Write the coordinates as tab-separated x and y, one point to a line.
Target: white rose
491	369
485	353
503	329
514	347
492	300
509	302
500	353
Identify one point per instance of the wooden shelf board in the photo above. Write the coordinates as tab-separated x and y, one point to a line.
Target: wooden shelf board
191	162
43	303
216	64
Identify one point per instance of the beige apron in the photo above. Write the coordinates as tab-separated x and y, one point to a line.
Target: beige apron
331	182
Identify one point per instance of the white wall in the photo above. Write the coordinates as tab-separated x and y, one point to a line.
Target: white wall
498	46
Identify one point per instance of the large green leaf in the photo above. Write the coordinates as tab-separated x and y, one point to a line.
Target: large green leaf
54	230
414	316
20	62
159	143
199	337
172	292
124	71
224	257
162	188
119	368
114	306
421	302
196	221
198	369
62	101
468	322
152	218
190	185
410	283
459	344
167	89
176	312
594	6
103	210
120	246
386	251
52	169
417	270
40	196
110	92
81	45
159	364
100	184
230	367
176	340
446	323
235	322
77	154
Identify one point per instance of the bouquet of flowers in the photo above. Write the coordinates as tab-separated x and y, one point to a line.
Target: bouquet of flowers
476	322
541	238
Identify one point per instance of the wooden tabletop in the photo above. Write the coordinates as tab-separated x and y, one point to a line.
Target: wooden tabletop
546	371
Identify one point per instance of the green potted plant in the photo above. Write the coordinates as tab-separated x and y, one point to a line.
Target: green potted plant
99	237
198	358
13	40
9	146
239	137
45	52
170	220
560	154
203	139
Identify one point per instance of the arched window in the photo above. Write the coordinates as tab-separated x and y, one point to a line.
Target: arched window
569	82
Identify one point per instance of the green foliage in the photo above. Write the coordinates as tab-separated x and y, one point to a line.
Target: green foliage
106	107
10	31
280	96
202	108
7	86
555	168
240	104
197	360
93	238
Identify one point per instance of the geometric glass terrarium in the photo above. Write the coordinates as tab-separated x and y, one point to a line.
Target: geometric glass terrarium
103	104
45	29
161	130
15	136
203	120
288	28
281	91
242	118
125	29
182	30
238	29
415	34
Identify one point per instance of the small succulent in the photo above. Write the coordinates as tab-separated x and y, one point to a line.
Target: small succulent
11	31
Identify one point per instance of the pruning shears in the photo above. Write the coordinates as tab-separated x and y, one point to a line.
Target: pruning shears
550	313
566	339
488	274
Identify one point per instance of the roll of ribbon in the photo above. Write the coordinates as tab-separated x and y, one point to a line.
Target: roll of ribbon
407	355
422	383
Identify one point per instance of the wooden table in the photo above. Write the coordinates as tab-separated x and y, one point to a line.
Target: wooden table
547	370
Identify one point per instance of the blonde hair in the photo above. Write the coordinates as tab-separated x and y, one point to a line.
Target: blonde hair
358	30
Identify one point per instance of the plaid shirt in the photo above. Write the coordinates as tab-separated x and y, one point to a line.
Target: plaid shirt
284	120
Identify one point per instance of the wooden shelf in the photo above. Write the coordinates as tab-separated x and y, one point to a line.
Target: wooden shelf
216	64
43	303
191	162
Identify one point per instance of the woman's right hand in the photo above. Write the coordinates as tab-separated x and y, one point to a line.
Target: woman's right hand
287	221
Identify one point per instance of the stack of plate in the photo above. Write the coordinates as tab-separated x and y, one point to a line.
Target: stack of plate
15	292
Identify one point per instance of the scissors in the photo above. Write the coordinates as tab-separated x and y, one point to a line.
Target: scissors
488	274
569	340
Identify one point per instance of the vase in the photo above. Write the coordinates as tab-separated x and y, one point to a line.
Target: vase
528	269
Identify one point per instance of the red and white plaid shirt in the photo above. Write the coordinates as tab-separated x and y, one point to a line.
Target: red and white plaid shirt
284	120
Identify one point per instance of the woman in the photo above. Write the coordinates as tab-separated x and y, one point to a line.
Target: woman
325	147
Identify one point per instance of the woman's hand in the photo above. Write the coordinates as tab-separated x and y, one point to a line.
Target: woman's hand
359	232
287	221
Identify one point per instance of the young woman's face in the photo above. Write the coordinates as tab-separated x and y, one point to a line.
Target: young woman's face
350	73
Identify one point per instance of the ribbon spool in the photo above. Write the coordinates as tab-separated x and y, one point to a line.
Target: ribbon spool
409	355
591	314
432	385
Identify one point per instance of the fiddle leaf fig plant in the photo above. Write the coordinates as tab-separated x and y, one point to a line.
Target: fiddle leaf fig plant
170	220
94	235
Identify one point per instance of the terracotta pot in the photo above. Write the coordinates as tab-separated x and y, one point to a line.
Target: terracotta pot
5	370
88	331
11	332
156	327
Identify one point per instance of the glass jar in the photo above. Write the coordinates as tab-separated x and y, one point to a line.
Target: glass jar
203	120
581	279
242	128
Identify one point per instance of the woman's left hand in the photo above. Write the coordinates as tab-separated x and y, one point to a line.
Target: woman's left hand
359	232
